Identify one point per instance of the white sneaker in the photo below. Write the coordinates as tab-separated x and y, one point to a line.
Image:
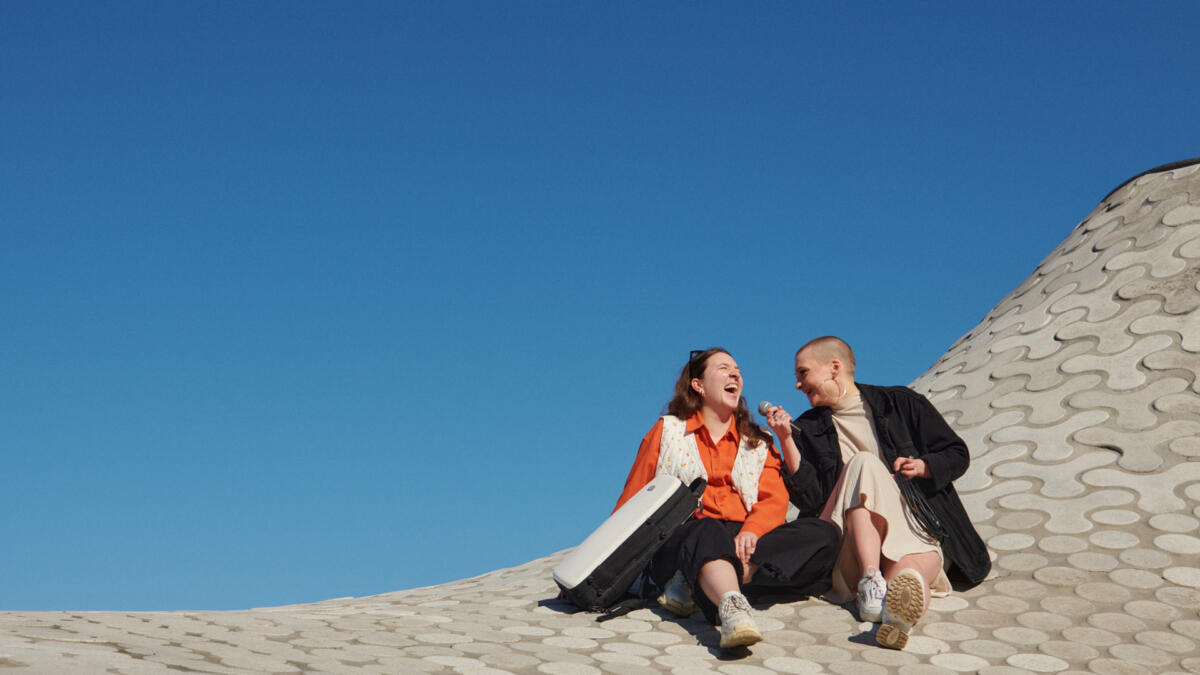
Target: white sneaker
902	608
737	628
677	597
871	591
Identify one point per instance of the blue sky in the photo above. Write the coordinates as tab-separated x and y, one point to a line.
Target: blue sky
308	300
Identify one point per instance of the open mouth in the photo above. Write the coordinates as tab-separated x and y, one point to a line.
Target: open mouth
731	388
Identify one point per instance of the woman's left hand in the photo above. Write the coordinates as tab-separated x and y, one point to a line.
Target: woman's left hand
911	467
744	544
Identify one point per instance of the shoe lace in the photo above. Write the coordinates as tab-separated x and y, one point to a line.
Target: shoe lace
738	603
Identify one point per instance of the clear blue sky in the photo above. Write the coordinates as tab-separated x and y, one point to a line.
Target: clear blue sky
305	300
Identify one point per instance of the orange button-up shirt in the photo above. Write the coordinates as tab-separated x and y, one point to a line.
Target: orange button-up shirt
720	500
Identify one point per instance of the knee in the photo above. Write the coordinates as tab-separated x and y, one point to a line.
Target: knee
709	529
830	536
823	534
866	461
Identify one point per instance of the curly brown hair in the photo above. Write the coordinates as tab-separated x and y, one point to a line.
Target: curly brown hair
687	401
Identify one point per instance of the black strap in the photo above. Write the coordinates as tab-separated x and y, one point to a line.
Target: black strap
921	510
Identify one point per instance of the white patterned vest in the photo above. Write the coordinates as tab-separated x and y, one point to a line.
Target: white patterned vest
679	456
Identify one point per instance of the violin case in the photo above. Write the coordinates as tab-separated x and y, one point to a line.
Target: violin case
597	574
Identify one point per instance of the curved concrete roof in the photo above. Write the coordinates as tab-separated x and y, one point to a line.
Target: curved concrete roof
1079	395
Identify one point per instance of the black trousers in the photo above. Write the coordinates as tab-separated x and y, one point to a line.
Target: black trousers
798	555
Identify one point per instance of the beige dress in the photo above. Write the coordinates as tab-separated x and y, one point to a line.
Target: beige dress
865	481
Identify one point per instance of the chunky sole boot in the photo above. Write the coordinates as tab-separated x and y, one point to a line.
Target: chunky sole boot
902	609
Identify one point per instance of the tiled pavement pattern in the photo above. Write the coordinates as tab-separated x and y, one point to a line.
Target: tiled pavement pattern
1079	395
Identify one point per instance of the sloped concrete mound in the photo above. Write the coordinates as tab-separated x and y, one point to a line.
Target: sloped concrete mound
1079	395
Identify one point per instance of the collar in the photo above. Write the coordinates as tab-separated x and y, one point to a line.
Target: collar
696	422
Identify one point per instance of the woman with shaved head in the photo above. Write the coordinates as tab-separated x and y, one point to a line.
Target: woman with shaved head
878	462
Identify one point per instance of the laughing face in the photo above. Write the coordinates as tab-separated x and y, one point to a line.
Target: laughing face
721	386
816	378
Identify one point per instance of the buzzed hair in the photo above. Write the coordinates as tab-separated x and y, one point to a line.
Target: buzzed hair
827	348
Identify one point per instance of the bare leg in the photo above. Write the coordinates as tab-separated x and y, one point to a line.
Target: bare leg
929	564
865	531
748	571
718	577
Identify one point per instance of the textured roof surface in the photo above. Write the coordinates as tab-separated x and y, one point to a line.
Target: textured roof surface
1079	395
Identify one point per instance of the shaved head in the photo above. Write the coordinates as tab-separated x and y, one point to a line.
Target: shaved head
828	348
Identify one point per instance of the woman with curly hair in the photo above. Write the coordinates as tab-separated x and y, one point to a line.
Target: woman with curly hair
739	536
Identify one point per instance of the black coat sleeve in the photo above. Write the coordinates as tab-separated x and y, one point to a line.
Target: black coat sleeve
804	489
944	451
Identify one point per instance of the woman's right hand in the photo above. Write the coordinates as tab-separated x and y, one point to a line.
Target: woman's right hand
780	422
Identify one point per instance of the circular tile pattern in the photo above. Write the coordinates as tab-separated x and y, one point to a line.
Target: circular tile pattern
624	625
1062	544
953	632
822	653
572	643
1011	542
1184	598
1067	605
1094	562
826	626
1020	520
1145	558
740	669
857	668
1020	636
1061	576
624	659
962	663
588	632
1187	627
1116	517
566	668
1174	522
951	603
1103	592
1141	655
631	648
1114	539
1167	642
980	618
1150	610
1096	637
1181	544
1116	667
988	649
888	657
1068	651
1117	623
1022	562
787	664
1038	663
1137	579
791	638
924	644
1019	590
1044	621
1188	447
1183	576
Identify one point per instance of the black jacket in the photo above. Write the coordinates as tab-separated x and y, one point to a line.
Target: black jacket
908	426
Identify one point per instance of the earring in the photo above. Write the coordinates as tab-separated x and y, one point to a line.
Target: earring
841	389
